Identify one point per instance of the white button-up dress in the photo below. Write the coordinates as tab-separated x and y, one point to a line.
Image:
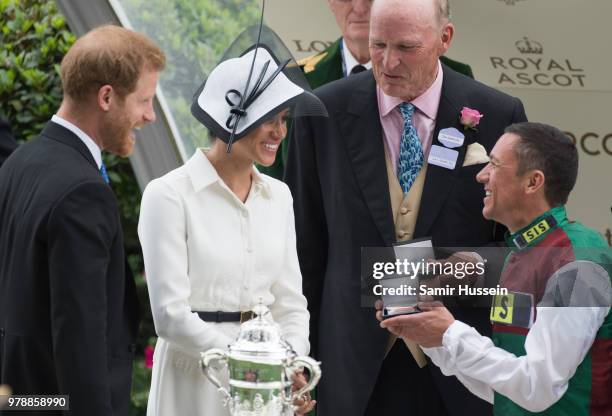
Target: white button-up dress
205	250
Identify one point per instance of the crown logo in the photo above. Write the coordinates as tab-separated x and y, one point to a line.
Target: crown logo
529	46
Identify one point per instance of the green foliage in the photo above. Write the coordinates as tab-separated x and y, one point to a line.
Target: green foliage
33	39
141	382
128	193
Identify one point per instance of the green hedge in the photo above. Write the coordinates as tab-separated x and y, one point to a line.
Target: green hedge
33	39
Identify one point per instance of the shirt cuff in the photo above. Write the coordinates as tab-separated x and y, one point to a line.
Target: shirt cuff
443	356
451	337
454	333
443	351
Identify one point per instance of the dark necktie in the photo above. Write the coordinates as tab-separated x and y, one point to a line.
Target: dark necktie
104	173
357	69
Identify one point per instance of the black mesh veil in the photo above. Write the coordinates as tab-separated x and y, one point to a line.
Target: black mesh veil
248	39
257	58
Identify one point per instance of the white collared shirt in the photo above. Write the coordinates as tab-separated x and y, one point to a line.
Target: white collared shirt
88	141
555	346
424	119
350	61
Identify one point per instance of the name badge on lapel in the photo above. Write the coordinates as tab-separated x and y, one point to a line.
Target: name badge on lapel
451	137
443	157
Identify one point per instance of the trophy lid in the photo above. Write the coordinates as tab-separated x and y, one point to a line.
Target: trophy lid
261	337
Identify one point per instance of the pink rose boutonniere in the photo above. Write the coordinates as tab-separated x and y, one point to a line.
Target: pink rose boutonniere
470	118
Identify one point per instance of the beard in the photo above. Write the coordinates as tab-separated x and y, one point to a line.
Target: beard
118	136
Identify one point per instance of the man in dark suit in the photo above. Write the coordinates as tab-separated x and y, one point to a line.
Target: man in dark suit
68	308
343	172
347	55
7	142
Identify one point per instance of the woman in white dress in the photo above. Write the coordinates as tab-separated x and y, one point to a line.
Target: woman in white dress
218	236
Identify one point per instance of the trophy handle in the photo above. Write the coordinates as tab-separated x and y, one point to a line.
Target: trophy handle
211	360
315	374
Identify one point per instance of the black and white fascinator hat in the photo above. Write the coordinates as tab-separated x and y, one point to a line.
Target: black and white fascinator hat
256	79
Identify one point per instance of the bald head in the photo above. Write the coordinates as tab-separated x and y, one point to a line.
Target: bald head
407	37
435	12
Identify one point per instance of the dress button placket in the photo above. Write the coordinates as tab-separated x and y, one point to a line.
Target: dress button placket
248	267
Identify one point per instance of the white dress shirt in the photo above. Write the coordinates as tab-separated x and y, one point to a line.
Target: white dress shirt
205	250
88	141
350	61
424	117
556	344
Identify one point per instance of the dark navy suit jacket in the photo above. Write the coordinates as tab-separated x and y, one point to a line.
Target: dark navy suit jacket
68	308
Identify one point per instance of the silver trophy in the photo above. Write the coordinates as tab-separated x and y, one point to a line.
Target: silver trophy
261	365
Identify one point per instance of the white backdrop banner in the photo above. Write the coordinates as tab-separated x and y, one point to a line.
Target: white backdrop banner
552	54
306	26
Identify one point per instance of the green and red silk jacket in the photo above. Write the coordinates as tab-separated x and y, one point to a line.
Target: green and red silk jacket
538	251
